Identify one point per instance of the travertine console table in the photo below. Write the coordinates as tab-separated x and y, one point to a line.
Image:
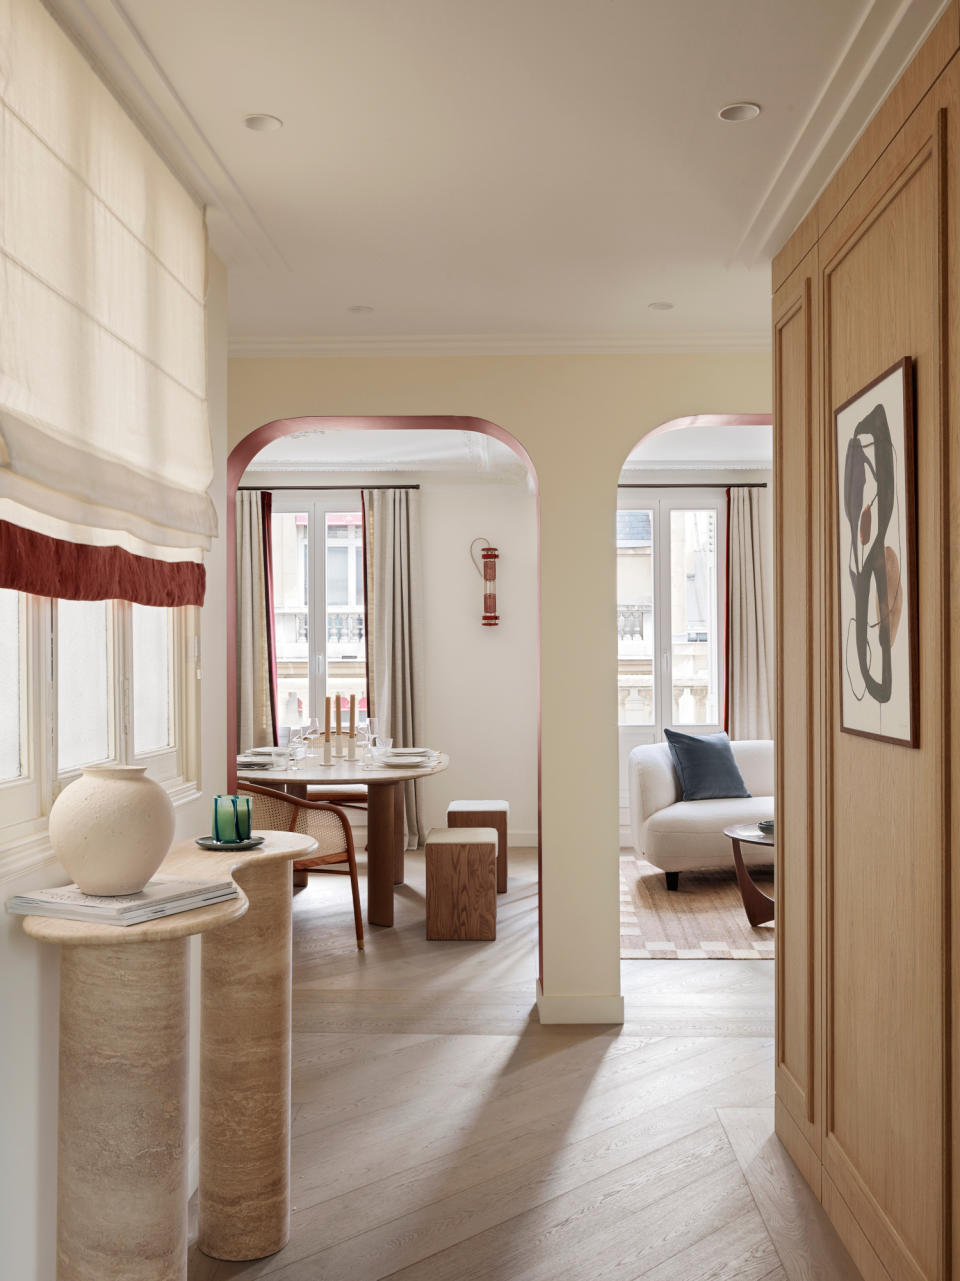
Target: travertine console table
122	1169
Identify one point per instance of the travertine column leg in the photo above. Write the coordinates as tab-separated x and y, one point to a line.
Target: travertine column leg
122	1213
244	1198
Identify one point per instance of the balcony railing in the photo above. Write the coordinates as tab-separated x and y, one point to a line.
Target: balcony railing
631	619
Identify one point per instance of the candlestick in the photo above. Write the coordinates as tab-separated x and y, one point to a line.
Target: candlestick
326	724
336	699
353	715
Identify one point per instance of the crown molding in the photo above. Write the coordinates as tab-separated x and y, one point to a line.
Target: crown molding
109	39
502	345
867	68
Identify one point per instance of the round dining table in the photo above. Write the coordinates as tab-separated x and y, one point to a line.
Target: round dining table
385	826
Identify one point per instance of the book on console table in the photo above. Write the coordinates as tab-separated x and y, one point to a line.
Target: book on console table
162	896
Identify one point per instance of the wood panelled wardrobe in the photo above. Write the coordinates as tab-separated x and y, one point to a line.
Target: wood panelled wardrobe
868	972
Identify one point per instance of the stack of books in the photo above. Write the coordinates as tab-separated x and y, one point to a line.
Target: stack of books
163	896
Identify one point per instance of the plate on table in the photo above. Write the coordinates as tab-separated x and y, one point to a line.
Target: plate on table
208	843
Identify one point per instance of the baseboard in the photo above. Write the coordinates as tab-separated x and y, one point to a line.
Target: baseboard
578	1007
851	1234
798	1149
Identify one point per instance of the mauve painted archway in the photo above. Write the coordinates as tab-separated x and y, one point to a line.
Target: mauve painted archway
239	460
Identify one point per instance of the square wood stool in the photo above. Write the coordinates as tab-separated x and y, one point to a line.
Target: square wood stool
485	814
462	883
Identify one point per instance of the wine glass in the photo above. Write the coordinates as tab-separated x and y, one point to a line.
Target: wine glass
298	748
313	735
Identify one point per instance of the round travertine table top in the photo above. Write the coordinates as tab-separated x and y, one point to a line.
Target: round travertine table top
185	859
314	773
750	834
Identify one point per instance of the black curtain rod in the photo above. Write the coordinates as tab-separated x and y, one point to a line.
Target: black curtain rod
276	488
702	484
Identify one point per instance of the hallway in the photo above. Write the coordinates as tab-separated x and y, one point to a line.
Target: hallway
441	1134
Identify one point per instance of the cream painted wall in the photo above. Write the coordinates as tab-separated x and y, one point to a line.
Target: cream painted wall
29	972
481	688
578	417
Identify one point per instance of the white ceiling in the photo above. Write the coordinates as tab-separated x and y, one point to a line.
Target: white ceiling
515	175
712	447
464	454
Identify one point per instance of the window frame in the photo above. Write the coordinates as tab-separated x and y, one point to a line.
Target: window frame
25	801
318	505
661	503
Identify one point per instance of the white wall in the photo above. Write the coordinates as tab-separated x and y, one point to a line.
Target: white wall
481	686
29	971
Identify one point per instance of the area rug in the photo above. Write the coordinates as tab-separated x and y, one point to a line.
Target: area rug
702	920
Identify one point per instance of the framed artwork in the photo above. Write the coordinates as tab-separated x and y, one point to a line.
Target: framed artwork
876	547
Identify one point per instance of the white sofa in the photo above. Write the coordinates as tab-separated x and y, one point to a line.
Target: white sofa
677	835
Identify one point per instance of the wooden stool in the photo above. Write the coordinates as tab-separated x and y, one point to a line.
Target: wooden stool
462	883
485	814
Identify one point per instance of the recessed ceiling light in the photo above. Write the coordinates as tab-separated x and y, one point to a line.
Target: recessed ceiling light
736	112
660	306
361	309
260	123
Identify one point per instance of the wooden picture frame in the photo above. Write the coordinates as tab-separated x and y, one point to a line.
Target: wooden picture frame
875	444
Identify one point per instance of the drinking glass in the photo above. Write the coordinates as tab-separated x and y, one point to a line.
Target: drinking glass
381	746
314	737
298	749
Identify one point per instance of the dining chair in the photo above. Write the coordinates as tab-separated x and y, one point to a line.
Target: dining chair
327	824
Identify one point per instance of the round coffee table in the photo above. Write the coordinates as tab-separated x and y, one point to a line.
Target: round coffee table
759	907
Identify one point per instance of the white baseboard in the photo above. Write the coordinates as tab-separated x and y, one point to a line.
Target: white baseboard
578	1007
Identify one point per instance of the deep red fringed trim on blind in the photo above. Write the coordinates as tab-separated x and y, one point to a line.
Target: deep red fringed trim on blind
45	566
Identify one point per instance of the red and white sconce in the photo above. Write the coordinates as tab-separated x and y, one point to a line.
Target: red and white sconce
487	569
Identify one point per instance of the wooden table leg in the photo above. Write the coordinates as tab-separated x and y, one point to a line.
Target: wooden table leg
400	839
384	849
244	1196
122	1213
758	906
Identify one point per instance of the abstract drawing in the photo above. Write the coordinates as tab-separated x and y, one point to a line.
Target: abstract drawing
876	530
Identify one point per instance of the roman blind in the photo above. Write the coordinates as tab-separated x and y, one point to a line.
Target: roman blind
104	440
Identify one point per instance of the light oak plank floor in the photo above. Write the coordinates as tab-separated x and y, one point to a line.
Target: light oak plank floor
441	1134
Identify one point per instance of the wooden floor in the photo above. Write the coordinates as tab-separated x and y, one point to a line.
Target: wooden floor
441	1134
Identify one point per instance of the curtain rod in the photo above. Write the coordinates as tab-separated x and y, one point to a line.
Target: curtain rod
353	488
702	484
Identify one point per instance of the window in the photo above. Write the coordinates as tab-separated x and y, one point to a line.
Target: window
318	602
668	610
90	682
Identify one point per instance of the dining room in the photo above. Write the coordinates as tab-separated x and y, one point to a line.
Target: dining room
386	642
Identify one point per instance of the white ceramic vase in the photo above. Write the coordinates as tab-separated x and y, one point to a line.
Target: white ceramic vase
111	828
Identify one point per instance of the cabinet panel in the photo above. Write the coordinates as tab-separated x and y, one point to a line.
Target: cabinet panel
886	938
796	467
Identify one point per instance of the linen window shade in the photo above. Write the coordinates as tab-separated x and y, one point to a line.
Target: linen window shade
104	439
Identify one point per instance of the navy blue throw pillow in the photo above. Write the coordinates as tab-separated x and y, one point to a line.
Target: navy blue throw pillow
705	765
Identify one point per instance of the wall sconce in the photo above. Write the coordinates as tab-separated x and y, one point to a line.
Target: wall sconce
486	567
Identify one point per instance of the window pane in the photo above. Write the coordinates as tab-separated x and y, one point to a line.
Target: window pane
291	569
83	699
693	595
151	679
346	647
635	674
10	671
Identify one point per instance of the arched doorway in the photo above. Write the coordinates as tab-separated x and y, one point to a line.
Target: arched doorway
248	450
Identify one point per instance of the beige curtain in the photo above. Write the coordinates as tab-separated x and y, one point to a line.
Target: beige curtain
254	711
749	651
391	535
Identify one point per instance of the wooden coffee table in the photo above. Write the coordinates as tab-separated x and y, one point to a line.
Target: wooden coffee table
759	907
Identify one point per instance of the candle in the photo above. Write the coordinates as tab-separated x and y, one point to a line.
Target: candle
353	715
336	699
231	818
326	724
